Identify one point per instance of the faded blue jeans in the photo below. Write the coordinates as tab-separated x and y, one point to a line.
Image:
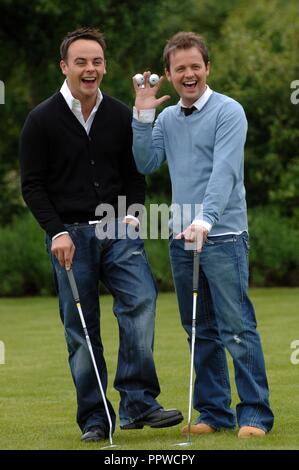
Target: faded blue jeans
225	319
122	266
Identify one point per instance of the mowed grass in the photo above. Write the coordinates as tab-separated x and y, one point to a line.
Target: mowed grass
37	399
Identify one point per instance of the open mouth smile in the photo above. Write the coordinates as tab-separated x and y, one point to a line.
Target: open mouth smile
190	84
89	80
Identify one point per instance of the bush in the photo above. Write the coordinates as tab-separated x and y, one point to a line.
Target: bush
158	257
25	268
273	256
274	249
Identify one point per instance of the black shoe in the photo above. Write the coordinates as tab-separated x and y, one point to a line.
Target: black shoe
157	419
94	434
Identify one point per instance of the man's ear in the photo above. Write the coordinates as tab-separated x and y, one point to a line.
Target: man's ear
208	68
63	67
167	75
105	70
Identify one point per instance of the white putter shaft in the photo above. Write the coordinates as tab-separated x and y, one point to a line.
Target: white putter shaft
193	334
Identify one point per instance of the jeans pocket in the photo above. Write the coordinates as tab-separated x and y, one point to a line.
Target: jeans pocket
220	240
170	240
246	243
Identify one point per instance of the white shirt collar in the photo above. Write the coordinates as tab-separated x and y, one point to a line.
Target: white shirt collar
199	104
73	103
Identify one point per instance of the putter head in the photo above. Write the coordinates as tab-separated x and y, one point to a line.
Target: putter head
110	446
183	444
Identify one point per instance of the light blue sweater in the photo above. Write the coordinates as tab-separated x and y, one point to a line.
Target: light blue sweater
205	155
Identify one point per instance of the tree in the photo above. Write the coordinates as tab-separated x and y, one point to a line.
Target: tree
254	49
31	33
255	62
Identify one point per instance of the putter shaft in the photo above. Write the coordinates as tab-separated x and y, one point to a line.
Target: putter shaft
193	334
75	293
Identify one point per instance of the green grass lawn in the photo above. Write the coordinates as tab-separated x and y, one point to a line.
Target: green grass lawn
37	400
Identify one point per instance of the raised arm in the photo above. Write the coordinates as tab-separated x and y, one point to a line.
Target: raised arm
148	144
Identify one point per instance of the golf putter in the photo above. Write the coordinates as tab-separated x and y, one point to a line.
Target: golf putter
75	293
195	293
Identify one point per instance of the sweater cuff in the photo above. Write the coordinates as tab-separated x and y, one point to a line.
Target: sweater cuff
58	235
203	224
54	228
147	116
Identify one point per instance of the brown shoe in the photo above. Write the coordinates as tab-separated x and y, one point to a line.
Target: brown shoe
200	428
250	431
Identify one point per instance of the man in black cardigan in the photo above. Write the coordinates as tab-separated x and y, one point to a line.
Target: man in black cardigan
76	156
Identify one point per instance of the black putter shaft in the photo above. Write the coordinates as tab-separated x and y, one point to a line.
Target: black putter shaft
75	293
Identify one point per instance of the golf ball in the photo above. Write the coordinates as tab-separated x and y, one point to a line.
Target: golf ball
139	79
154	78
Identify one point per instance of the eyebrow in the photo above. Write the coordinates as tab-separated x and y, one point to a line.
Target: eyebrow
84	58
183	65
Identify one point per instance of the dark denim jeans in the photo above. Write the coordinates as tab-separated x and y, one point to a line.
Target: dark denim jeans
122	266
225	319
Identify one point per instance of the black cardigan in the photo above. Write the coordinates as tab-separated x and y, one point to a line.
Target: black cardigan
66	174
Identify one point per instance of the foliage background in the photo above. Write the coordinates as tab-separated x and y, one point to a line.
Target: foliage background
254	59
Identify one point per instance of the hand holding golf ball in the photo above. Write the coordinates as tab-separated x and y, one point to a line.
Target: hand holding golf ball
146	86
139	79
153	79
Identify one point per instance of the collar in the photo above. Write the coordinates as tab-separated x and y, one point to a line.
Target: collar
72	102
199	104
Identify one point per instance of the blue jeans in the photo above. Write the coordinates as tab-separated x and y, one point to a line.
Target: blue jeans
225	319
122	266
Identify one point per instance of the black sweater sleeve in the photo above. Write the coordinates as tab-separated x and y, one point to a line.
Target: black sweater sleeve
33	165
134	182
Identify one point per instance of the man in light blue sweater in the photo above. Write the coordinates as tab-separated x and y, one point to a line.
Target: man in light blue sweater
202	139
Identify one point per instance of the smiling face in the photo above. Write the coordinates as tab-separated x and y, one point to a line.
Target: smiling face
188	73
84	69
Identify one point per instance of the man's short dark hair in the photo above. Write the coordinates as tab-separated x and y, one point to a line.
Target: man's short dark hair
81	33
185	40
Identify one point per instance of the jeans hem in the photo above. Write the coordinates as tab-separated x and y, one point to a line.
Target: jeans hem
214	426
255	425
140	416
100	424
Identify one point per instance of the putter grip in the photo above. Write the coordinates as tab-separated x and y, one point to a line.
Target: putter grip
73	285
195	271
